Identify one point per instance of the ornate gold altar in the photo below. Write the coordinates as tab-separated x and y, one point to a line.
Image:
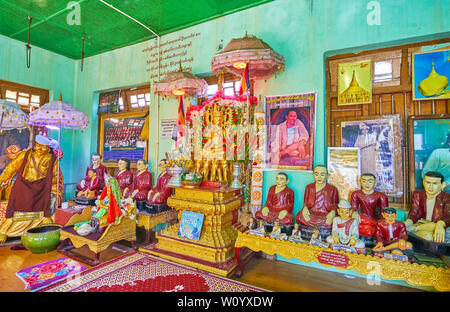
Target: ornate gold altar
214	251
412	273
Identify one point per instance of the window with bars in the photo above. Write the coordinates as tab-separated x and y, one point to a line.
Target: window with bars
28	98
230	88
126	100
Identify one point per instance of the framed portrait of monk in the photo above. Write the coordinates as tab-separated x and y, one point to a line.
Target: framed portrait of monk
379	139
290	121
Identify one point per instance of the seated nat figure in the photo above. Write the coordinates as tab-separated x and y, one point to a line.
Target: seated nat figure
33	194
429	214
142	183
92	189
391	234
280	202
345	227
161	192
99	169
319	204
368	204
124	175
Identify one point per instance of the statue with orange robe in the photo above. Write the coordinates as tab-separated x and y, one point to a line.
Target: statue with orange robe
320	202
280	202
34	192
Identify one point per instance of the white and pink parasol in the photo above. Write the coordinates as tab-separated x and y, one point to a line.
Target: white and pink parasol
12	116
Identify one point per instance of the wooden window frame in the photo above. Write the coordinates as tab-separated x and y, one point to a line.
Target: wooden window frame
17	87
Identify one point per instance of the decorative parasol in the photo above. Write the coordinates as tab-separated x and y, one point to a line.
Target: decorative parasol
179	83
57	115
262	60
12	116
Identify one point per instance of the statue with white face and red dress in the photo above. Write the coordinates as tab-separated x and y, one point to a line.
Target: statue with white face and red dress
279	204
319	205
142	184
124	175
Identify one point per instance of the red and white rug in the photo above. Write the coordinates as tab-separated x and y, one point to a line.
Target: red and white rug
141	272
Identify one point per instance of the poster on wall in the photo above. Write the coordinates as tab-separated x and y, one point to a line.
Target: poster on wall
290	121
429	148
119	137
344	169
355	83
109	102
379	139
431	75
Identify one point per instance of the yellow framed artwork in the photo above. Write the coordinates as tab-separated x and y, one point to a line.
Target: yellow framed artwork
355	83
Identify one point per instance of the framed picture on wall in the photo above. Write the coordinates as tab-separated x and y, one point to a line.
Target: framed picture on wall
431	75
429	148
355	83
109	102
379	139
119	137
290	121
344	168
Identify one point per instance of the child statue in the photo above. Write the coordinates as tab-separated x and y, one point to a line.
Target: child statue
320	202
430	209
367	205
391	234
345	228
99	168
280	202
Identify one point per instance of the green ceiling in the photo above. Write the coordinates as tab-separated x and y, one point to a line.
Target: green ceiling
103	27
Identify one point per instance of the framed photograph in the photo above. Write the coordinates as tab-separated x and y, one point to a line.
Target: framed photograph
355	83
431	75
343	165
429	148
119	137
109	102
379	139
290	121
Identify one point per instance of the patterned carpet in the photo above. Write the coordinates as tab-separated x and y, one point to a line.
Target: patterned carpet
140	272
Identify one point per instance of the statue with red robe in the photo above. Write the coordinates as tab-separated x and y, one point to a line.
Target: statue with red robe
279	204
320	201
161	192
124	176
99	169
142	183
368	204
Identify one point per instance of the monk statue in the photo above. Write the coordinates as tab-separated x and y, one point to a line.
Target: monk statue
142	184
92	189
99	168
161	192
429	214
33	195
124	175
279	204
319	204
391	234
368	204
345	227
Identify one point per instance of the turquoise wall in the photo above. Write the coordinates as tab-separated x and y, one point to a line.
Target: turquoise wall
49	71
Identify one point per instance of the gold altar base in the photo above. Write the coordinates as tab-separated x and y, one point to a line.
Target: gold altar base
413	273
214	250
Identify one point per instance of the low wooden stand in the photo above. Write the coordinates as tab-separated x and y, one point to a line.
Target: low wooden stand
413	273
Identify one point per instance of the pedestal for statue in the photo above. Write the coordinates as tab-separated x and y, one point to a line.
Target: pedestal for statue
214	250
